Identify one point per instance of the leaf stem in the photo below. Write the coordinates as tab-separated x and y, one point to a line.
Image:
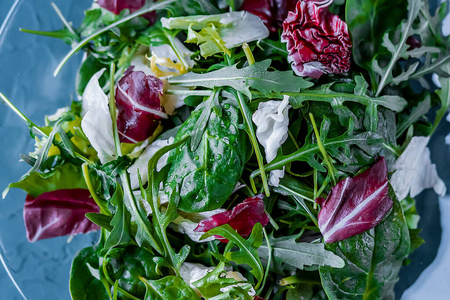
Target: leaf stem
112	110
67	24
322	148
269	262
248	53
144	10
103	208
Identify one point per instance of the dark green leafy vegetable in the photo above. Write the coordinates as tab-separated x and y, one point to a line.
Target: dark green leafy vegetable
168	288
372	260
207	176
211	284
120	234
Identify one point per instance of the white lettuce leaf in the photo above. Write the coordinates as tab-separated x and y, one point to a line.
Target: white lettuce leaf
96	122
141	163
272	121
414	171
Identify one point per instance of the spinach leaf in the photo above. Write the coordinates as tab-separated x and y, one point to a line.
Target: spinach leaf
254	76
208	175
89	67
85	276
247	253
168	288
288	254
126	264
372	260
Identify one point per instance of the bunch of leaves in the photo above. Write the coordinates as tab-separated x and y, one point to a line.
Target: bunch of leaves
372	259
386	63
247	249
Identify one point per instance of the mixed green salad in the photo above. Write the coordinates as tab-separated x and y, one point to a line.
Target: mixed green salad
242	149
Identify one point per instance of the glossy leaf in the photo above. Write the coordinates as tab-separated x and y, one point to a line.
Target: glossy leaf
372	260
211	284
59	213
120	234
255	76
85	276
241	218
168	288
208	175
355	204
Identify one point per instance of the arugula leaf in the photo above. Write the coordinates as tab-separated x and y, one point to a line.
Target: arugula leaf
211	284
416	113
85	276
337	147
288	254
444	96
247	253
120	234
101	220
67	176
373	260
367	23
336	99
254	76
208	175
168	288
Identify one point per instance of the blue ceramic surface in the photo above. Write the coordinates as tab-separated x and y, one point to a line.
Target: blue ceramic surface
41	269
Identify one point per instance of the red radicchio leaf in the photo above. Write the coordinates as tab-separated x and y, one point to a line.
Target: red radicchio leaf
58	213
116	6
241	218
138	99
317	41
271	12
355	204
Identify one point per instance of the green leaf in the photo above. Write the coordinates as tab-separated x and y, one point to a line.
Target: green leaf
234	293
168	288
209	41
85	276
66	176
247	252
89	67
202	122
208	175
444	95
211	284
337	147
126	264
288	254
337	99
101	220
416	113
367	23
373	260
120	234
255	76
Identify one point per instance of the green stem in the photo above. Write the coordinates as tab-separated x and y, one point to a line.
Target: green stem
322	148
112	110
269	262
103	208
67	24
248	53
146	9
112	282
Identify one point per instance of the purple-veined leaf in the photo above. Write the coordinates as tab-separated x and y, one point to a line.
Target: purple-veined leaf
355	204
59	213
138	99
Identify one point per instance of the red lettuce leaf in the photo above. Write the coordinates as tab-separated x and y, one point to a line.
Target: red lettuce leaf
241	218
138	99
116	6
271	12
59	213
318	41
355	204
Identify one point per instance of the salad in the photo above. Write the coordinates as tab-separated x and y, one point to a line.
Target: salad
247	149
